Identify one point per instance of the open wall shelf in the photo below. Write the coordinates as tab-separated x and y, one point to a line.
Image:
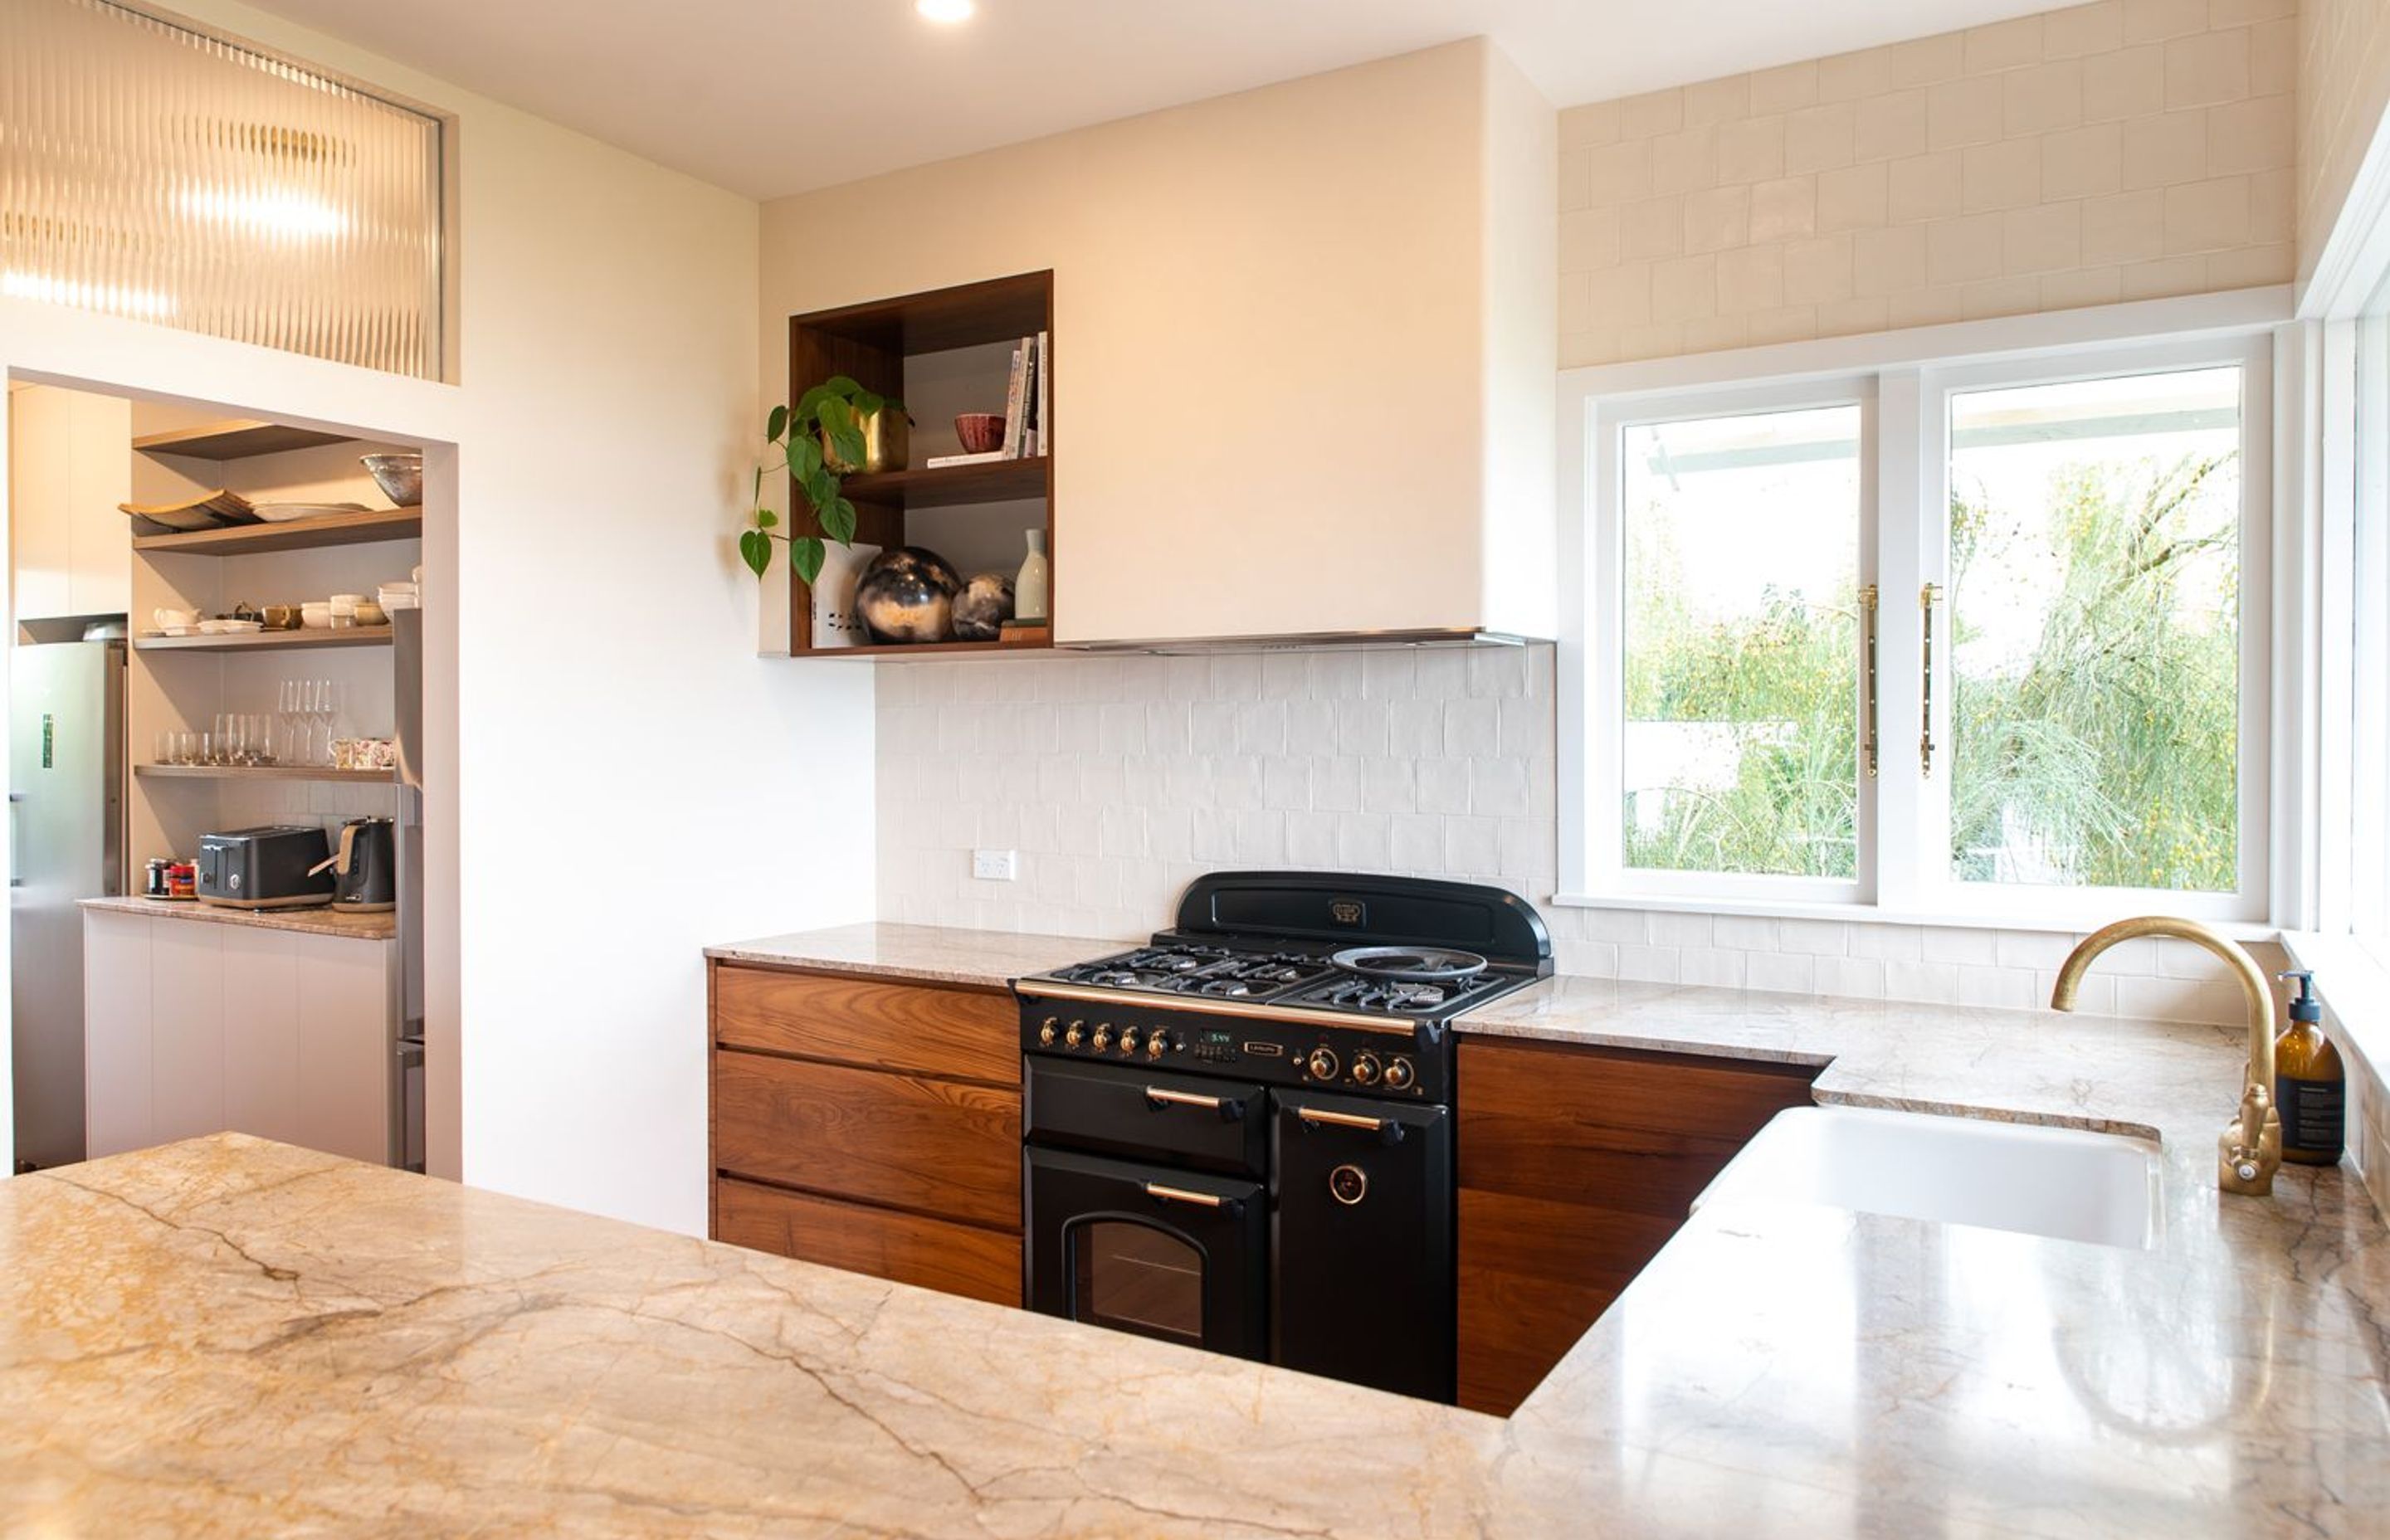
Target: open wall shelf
236	439
870	345
299	534
267	641
265	772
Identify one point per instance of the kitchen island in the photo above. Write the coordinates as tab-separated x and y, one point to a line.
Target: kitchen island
233	1335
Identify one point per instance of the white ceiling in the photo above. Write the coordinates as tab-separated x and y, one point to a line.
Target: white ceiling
774	96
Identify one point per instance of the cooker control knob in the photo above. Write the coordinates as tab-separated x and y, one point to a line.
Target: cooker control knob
1365	1068
1076	1035
1321	1063
1104	1039
1128	1040
1046	1032
1399	1074
1158	1044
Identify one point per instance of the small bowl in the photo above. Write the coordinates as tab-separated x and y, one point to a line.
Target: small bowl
315	617
370	613
399	476
981	432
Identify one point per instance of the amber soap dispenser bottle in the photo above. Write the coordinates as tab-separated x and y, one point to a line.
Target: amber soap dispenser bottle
2310	1086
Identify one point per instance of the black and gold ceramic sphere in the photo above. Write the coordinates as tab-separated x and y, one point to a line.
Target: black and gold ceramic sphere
983	606
907	595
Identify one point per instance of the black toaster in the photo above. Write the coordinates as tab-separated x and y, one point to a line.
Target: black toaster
272	867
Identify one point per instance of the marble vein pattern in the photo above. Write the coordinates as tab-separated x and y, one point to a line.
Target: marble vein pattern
918	953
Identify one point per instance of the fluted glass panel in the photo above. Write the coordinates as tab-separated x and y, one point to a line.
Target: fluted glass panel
150	170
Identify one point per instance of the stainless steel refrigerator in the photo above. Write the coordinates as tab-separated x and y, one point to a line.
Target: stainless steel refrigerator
66	809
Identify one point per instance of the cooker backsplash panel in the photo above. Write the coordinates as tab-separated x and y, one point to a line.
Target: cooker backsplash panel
1120	779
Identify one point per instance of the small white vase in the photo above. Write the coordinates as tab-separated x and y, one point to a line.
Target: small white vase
1030	587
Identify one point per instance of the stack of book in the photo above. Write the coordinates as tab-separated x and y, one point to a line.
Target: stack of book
1028	399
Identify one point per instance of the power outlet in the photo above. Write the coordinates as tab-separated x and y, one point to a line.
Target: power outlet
995	866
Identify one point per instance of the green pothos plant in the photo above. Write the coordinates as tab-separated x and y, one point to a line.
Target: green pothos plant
821	439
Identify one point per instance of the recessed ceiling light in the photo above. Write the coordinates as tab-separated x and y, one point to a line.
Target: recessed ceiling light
947	11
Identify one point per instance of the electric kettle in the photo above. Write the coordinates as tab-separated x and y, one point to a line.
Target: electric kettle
365	866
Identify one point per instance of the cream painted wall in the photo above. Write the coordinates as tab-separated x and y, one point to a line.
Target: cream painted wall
1273	313
2343	89
620	755
2126	150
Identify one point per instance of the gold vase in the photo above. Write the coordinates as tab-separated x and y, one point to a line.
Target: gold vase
887	443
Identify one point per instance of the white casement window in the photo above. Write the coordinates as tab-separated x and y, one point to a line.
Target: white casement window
1978	639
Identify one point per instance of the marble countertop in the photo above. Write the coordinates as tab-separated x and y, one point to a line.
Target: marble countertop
232	1336
319	921
923	954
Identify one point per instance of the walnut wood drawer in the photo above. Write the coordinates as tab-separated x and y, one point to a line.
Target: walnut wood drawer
937	1147
1575	1166
1615	1128
971	1034
904	1248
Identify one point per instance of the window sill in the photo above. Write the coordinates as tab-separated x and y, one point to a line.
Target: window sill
2046	920
2354	987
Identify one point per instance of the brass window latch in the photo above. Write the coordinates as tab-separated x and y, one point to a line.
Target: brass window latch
1925	598
1868	597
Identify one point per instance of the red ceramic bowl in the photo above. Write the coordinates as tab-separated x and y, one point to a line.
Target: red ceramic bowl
980	431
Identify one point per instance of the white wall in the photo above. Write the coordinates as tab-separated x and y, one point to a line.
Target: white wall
632	782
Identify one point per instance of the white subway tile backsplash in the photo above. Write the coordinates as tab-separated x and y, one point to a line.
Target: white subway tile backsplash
1861	978
1676	928
1656	965
1786	972
1888	942
1820	937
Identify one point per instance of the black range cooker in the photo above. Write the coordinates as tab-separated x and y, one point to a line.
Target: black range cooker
1240	1136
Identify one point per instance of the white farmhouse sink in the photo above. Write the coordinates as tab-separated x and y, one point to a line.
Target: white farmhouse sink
2061	1183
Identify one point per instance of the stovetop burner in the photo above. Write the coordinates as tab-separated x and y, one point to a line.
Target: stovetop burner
1410	964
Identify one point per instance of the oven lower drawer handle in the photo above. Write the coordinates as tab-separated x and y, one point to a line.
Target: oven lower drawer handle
1200	1200
1230	1111
1385	1128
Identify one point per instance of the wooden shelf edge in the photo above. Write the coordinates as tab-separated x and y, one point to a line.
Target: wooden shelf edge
265	773
237	438
931	649
300	534
267	641
955	485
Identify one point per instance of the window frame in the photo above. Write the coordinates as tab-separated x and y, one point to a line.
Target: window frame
1607	678
1905	381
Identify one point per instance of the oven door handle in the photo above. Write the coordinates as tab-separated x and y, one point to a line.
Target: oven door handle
1188	1195
1385	1128
1230	1110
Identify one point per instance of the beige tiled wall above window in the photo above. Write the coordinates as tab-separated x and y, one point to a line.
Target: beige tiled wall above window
2122	150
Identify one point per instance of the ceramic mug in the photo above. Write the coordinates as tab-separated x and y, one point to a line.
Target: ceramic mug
281	617
174	620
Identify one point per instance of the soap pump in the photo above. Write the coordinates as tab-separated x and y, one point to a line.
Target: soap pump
2310	1086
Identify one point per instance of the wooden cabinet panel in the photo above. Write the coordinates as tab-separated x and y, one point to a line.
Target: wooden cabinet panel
966	1033
933	1146
1575	1167
932	1253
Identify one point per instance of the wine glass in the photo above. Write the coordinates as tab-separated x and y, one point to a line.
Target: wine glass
328	711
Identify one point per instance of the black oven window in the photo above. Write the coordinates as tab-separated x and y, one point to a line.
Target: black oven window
1133	1277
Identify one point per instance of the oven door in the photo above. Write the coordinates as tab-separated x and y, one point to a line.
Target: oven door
1176	1255
1364	1235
